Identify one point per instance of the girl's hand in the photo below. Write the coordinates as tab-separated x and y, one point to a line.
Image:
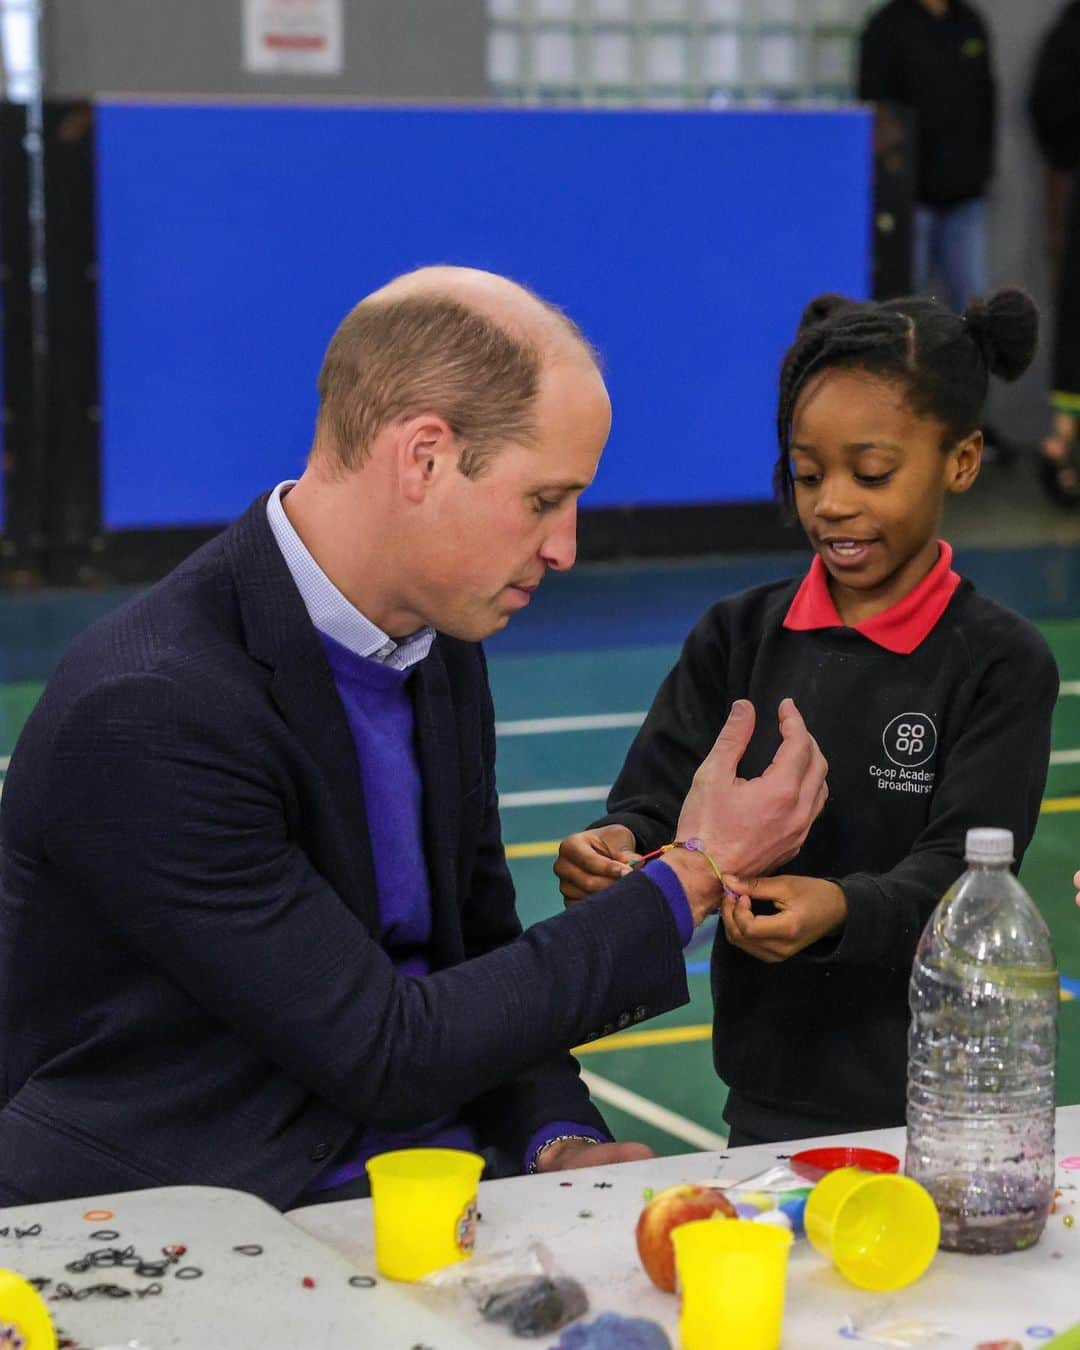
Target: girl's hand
592	860
1076	883
808	908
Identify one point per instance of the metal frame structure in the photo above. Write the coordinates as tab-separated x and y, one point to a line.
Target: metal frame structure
51	526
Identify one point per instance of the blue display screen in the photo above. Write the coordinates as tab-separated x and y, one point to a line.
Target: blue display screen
233	239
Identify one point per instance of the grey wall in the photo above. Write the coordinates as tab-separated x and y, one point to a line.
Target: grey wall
1017	254
393	49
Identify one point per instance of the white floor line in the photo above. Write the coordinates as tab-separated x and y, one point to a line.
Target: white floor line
598	793
1070	686
543	726
552	796
604	1090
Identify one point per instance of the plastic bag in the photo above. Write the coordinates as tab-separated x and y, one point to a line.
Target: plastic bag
522	1290
777	1196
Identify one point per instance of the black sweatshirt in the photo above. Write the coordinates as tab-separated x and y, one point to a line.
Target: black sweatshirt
1054	96
818	1043
941	68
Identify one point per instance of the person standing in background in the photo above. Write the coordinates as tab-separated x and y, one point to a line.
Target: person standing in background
933	56
1054	106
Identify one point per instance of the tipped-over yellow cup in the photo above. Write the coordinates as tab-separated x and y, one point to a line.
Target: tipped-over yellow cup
879	1230
732	1274
23	1314
424	1202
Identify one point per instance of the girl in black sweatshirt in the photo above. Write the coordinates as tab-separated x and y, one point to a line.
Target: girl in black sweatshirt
931	703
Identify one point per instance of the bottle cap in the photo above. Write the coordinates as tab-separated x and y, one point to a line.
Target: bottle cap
989	846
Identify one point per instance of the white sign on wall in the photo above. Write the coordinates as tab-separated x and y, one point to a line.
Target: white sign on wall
293	37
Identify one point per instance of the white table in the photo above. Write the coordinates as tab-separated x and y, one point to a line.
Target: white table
241	1302
975	1298
260	1302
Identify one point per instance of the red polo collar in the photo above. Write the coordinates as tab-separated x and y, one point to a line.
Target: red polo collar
900	628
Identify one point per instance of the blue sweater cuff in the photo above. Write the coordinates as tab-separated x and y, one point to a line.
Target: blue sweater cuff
668	881
546	1133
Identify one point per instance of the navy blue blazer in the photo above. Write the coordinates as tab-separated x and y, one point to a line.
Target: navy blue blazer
192	988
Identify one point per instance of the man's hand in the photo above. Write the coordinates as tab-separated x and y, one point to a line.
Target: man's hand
590	861
569	1153
1076	883
752	827
809	908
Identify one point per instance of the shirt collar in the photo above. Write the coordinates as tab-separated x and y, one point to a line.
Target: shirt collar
900	628
328	609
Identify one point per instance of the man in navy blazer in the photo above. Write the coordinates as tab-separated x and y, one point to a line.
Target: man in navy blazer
255	918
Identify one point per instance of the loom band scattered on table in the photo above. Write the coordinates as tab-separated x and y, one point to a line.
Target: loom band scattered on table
114	1256
188	1273
249	1249
98	1215
79	1267
33	1231
363	1281
151	1270
104	1235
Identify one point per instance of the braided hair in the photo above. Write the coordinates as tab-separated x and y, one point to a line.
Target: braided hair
941	360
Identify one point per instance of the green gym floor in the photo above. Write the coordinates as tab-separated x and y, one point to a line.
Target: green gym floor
572	679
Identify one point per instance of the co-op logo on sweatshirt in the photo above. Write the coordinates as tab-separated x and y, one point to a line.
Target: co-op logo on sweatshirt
909	742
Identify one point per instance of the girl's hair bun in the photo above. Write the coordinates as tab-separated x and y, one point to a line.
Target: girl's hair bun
823	307
1005	328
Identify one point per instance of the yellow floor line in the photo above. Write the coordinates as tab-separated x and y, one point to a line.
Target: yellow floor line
635	1040
640	1040
548	848
1054	804
543	848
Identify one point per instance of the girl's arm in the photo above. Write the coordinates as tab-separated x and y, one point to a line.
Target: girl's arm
993	773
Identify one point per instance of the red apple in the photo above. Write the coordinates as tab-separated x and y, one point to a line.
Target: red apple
665	1211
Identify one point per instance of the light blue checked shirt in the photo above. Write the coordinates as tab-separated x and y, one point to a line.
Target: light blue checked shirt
328	609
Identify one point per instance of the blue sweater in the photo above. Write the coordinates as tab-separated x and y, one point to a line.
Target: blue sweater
379	709
378	706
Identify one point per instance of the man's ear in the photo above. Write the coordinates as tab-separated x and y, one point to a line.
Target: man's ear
965	460
426	451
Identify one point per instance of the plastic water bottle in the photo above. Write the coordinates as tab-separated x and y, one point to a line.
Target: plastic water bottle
982	1053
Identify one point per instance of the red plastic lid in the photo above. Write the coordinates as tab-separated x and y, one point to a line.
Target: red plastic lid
813	1163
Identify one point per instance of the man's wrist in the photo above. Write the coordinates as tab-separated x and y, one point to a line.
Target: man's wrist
548	1152
700	882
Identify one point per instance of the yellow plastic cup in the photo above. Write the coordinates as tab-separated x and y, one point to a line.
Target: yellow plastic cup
878	1229
23	1314
424	1202
731	1280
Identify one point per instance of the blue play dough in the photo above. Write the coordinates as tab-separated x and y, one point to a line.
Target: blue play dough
795	1208
612	1332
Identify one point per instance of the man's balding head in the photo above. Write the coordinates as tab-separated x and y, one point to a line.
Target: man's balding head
467	345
